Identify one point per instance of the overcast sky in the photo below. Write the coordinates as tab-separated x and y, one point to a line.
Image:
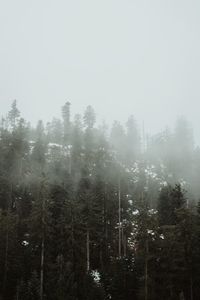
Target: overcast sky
121	56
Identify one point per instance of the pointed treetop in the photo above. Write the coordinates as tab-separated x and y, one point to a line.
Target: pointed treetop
66	112
13	114
89	117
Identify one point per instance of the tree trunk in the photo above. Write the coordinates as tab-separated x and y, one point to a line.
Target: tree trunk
42	269
105	221
6	256
73	240
125	245
42	250
146	269
70	163
119	212
88	250
7	240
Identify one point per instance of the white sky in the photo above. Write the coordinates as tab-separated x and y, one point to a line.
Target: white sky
121	56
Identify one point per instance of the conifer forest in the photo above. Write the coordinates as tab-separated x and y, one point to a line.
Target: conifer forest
89	212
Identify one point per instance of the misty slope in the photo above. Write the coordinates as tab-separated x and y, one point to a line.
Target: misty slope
88	214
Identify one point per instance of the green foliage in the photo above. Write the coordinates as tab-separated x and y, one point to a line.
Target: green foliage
170	201
72	197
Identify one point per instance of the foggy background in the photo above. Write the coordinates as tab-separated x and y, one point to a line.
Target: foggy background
122	57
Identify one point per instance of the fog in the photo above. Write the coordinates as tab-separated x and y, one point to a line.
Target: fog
90	211
121	57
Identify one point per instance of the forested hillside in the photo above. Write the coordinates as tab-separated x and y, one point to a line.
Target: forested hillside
91	213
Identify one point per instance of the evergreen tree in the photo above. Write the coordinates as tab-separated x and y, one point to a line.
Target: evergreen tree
169	202
13	115
66	122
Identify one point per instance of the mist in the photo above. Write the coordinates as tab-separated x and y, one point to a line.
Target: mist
135	57
99	150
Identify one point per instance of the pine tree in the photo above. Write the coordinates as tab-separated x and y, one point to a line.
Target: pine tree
13	115
66	123
170	200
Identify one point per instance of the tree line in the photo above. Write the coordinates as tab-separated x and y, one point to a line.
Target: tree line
88	213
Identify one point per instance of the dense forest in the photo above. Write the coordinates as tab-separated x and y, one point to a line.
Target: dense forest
91	213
